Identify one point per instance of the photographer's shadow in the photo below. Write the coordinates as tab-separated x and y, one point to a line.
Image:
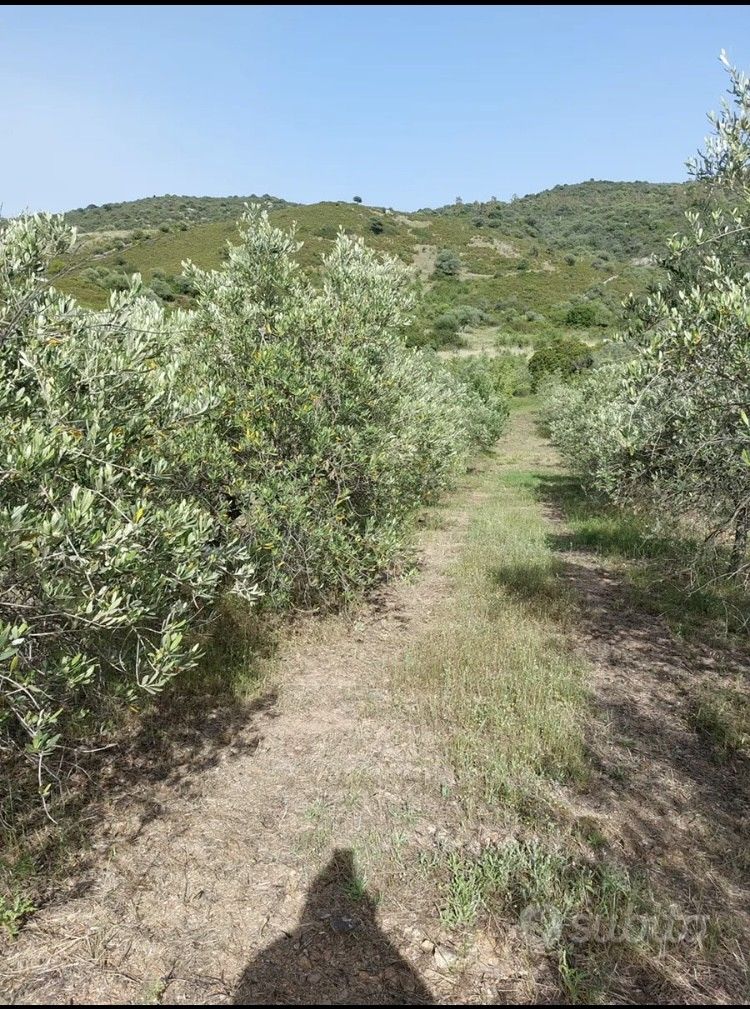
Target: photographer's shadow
336	955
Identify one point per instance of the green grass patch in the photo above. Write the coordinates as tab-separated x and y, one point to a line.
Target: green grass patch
658	563
497	677
594	919
543	883
721	715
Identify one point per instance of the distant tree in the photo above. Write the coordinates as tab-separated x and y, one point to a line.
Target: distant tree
560	357
357	199
583	314
446	329
447	263
162	289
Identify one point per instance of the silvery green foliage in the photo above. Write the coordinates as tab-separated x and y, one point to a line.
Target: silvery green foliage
688	388
587	420
338	429
679	414
280	434
110	550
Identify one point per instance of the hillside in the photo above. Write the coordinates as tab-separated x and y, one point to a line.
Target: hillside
615	219
518	266
158	211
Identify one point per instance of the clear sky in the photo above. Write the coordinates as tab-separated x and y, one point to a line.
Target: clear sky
406	106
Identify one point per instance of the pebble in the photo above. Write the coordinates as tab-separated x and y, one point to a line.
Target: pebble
445	957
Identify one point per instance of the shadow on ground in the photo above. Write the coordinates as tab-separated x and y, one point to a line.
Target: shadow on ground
664	803
112	796
674	575
336	955
672	811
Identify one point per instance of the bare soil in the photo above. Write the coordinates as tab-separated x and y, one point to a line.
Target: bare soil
268	855
260	861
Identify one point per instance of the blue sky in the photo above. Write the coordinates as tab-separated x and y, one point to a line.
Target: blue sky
405	106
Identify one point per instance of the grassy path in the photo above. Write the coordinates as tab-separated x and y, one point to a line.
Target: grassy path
567	706
477	789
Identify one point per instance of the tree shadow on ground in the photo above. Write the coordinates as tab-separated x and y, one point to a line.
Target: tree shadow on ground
678	814
659	799
113	794
337	954
674	575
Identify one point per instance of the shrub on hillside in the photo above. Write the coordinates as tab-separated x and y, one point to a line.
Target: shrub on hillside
562	357
446	330
161	289
447	263
583	314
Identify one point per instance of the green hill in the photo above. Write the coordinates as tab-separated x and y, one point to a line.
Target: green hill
518	266
158	211
622	219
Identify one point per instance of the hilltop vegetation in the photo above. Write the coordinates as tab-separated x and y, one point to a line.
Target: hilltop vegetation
519	267
164	211
618	220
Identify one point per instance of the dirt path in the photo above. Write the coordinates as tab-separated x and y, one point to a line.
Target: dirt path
277	865
272	843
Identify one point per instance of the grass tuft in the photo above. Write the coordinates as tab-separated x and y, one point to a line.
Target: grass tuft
721	715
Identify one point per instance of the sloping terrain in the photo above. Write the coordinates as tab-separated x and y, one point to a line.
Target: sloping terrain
520	262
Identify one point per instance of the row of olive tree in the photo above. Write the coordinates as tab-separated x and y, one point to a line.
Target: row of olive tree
672	423
271	444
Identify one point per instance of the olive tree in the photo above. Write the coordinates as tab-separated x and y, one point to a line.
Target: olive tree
110	550
688	389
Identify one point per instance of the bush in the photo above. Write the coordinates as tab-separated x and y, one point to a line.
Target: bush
583	418
582	314
562	357
183	285
343	431
116	281
110	549
446	328
489	381
162	289
680	437
447	264
276	440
